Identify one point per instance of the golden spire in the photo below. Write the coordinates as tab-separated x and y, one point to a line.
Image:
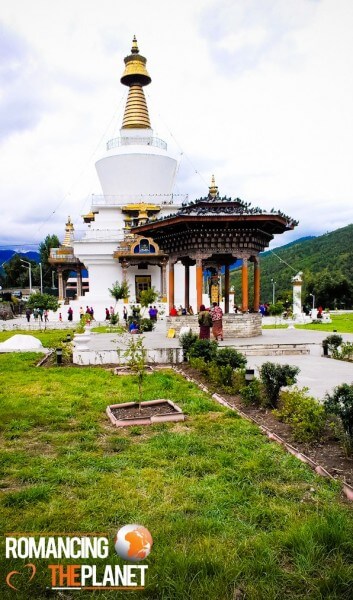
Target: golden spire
213	189
135	76
69	233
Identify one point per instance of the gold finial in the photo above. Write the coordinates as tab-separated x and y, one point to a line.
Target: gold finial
213	189
69	233
135	76
134	49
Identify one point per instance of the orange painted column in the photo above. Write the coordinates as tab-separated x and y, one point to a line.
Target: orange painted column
245	285
226	289
171	285
187	287
256	284
199	283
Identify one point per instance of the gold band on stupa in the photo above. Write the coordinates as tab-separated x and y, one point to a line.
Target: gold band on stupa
213	189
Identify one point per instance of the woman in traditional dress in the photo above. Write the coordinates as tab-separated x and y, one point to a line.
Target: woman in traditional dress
217	324
205	323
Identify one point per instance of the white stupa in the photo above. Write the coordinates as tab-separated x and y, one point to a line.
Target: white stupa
137	176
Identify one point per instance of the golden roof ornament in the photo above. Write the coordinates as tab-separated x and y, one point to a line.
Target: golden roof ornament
213	189
135	76
69	233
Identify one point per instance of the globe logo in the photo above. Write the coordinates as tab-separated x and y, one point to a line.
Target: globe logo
133	542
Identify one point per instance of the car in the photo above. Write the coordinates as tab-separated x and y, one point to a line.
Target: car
17	294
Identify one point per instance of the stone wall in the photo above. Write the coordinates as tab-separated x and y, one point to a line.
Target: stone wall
234	325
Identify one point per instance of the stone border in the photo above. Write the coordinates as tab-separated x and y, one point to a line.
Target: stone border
346	488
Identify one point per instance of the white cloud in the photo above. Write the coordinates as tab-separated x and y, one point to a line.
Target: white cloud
257	92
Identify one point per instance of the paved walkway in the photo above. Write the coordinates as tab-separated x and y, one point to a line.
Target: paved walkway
317	373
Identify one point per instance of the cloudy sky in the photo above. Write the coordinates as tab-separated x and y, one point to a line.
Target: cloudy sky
258	92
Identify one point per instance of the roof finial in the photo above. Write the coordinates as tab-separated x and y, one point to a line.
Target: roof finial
134	49
213	189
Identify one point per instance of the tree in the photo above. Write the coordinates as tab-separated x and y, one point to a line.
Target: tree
119	291
136	355
51	241
16	275
147	297
274	377
44	302
340	403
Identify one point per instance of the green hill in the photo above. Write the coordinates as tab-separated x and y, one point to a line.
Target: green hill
327	264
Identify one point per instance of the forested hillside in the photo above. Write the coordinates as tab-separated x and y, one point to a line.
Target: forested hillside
327	264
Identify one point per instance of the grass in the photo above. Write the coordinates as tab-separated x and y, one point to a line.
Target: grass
227	509
342	323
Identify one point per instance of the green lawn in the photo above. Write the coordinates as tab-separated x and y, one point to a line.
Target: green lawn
228	510
340	323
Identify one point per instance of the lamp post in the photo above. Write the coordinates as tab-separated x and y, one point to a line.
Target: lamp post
313	297
273	290
29	267
41	277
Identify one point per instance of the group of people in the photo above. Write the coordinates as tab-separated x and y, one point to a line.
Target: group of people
38	313
211	318
178	312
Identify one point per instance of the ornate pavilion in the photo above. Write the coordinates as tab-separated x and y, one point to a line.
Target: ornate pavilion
213	233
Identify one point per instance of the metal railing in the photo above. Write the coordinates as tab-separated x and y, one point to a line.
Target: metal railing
136	141
123	199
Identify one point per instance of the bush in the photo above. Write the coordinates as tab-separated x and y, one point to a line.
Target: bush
340	403
146	325
199	364
187	340
204	349
332	342
305	415
274	377
345	353
231	357
221	375
252	393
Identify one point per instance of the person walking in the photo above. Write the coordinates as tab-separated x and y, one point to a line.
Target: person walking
70	313
125	314
28	314
205	323
46	316
217	323
107	314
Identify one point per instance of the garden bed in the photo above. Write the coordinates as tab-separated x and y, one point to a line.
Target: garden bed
328	453
146	413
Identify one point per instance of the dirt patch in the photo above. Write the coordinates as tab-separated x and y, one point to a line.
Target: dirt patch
328	453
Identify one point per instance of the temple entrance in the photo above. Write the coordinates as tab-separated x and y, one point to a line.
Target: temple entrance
142	282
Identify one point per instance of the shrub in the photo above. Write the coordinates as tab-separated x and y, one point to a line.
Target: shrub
274	377
346	352
114	319
199	364
340	403
238	380
304	413
221	375
231	357
205	349
146	325
187	340
332	342
252	393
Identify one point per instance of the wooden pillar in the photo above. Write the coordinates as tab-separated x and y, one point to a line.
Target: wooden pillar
245	285
256	284
187	287
60	284
171	284
226	289
164	280
199	282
